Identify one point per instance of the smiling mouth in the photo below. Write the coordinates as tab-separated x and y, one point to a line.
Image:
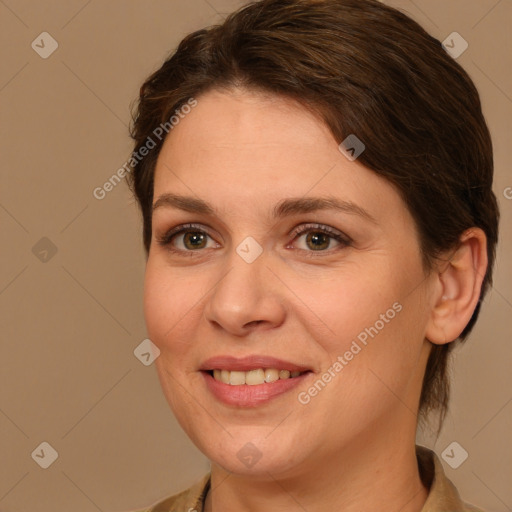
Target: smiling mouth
253	377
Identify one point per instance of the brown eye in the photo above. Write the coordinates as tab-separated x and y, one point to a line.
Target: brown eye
186	240
194	240
318	240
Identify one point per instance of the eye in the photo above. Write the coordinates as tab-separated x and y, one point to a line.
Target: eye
319	238
186	238
189	239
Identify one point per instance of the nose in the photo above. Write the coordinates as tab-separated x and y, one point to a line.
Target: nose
247	296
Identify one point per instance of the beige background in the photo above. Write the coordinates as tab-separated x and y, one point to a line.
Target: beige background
69	325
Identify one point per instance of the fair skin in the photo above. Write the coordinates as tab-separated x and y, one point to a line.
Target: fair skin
352	446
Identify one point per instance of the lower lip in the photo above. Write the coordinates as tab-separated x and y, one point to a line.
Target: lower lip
251	396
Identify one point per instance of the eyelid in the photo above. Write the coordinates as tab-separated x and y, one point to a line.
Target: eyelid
312	226
344	240
165	238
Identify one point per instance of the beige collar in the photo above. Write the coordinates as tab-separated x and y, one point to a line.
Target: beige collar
442	495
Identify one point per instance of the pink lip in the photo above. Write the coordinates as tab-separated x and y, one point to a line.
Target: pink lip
249	363
250	396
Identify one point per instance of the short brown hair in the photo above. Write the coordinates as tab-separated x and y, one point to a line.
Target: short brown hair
366	69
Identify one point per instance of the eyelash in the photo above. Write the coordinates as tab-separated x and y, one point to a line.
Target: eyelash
344	240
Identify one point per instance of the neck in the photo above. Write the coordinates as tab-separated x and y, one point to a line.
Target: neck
363	476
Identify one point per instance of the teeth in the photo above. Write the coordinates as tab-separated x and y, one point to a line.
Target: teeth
284	374
237	378
271	375
253	377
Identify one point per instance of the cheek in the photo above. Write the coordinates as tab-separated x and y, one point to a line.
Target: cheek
345	305
385	364
168	307
158	312
377	330
169	314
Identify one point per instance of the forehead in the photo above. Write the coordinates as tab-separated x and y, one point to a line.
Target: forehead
234	122
241	146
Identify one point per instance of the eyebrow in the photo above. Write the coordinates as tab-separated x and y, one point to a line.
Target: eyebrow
284	208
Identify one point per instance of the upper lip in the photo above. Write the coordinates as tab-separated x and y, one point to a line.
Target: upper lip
248	363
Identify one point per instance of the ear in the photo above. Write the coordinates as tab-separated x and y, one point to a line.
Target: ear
457	288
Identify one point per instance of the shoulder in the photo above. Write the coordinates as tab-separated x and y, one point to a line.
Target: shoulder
443	495
471	508
189	500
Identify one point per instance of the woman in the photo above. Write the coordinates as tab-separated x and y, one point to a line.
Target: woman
315	184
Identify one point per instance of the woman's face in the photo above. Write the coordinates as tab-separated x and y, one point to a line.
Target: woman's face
257	283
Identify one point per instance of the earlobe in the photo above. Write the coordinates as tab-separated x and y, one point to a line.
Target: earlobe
459	281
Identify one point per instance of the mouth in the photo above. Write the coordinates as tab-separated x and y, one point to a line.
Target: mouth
252	380
253	377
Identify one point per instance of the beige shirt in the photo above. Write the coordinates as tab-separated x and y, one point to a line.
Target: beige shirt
442	497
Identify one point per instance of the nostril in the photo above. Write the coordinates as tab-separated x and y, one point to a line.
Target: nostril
254	322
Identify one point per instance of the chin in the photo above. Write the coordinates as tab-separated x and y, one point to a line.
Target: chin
249	452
